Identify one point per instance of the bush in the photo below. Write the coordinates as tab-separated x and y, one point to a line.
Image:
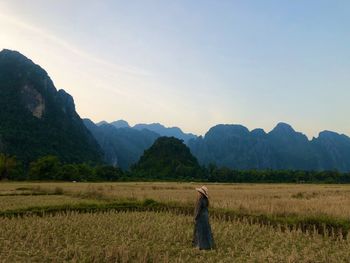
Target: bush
45	168
9	167
69	172
107	173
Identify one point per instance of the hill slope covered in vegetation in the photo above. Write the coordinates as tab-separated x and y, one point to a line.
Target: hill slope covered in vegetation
36	119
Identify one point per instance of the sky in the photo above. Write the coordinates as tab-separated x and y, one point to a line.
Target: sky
192	63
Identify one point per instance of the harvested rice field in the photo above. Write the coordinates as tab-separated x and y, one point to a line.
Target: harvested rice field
101	232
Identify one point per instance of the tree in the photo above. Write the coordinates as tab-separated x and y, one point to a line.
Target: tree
85	172
8	165
107	173
69	172
45	168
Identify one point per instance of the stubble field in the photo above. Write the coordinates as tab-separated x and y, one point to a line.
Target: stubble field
165	236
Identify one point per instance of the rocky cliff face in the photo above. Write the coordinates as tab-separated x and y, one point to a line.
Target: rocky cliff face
33	101
235	147
35	118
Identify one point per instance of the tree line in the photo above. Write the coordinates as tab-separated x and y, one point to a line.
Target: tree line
226	175
51	168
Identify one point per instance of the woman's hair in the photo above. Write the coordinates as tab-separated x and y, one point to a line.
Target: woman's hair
200	196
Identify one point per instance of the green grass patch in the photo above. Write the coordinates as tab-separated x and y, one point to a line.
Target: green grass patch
27	191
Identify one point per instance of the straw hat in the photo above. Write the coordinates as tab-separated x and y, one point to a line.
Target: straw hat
203	190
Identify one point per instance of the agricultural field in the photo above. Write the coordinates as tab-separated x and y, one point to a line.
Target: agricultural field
102	232
301	199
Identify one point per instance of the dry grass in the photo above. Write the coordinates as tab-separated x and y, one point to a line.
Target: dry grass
155	237
332	200
164	237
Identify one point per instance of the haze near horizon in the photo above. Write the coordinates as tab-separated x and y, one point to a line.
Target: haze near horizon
192	64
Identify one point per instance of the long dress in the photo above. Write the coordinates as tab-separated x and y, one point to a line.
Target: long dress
202	235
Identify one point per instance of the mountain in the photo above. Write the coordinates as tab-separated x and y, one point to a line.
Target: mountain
120	124
122	147
101	123
234	146
333	151
164	131
117	124
36	119
168	158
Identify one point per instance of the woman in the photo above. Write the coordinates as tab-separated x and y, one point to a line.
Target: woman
202	236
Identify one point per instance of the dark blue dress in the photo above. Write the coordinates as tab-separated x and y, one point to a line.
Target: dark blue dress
202	236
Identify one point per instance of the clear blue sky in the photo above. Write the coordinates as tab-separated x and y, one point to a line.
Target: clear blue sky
193	64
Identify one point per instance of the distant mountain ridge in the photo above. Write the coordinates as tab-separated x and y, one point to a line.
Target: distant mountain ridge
155	127
120	124
36	119
123	146
234	146
166	131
